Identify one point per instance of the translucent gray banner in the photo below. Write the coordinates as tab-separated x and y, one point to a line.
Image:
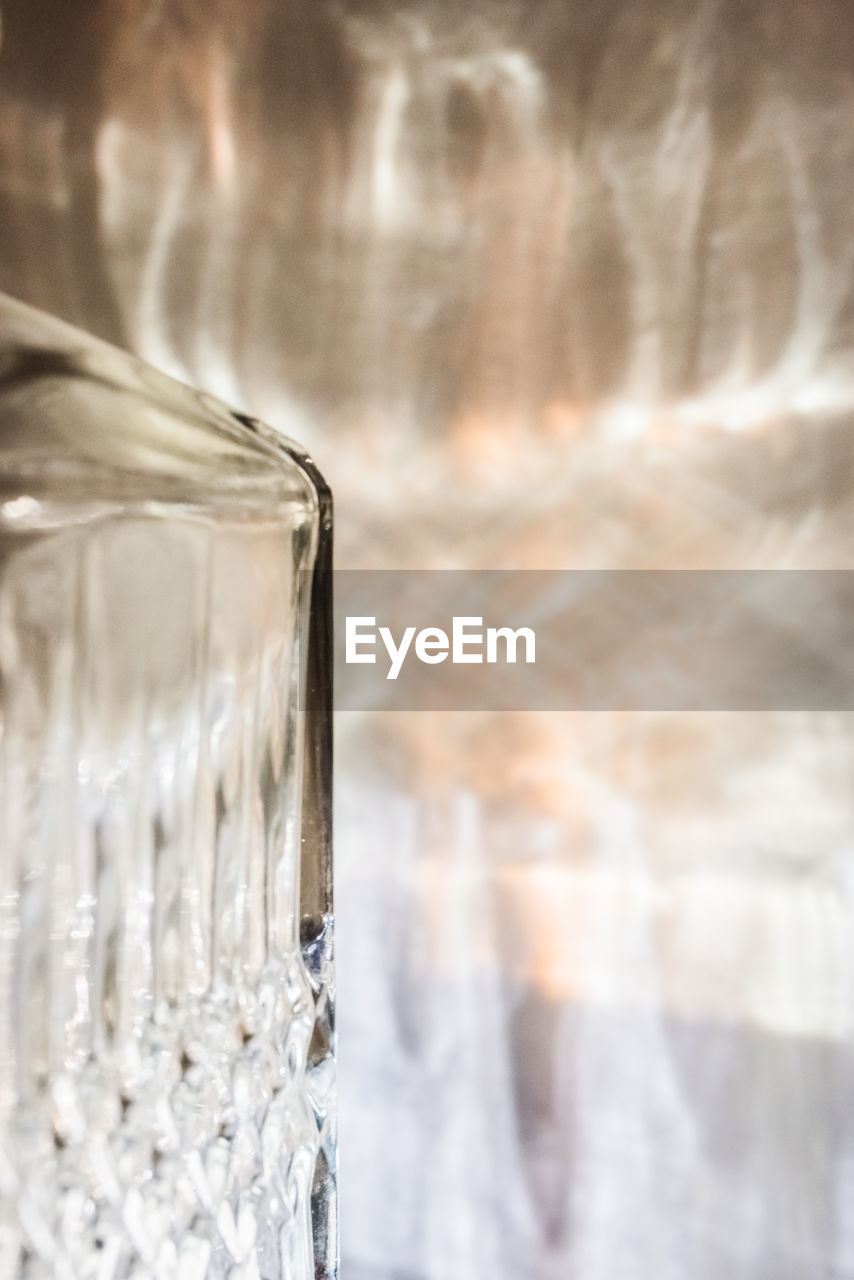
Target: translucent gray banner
591	640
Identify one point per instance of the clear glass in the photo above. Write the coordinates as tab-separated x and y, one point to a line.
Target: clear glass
166	994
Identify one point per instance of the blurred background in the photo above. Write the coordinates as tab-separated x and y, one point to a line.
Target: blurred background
544	284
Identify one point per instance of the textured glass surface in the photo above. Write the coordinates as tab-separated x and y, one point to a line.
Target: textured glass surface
166	1071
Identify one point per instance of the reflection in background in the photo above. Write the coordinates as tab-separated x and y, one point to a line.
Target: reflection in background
545	284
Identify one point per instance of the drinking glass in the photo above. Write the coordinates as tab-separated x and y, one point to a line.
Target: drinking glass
166	981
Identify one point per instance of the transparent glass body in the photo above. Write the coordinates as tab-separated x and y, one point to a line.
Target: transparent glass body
166	995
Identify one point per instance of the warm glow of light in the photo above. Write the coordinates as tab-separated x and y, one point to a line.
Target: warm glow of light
708	947
219	120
